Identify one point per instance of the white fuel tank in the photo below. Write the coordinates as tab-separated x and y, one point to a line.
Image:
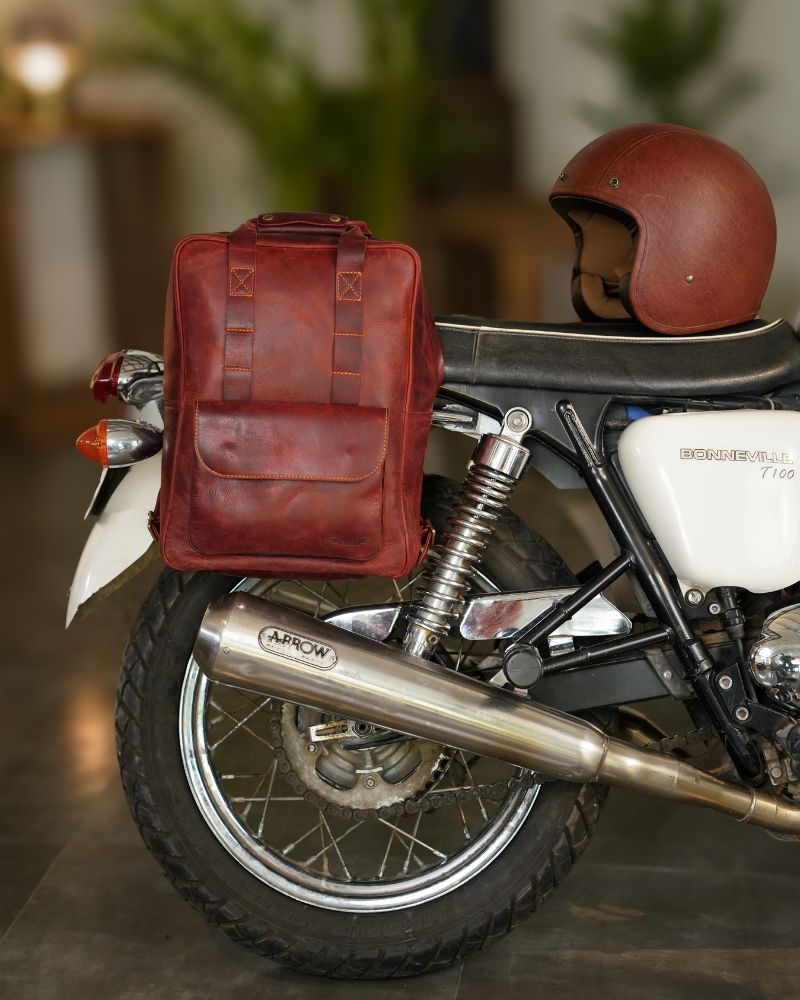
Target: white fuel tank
721	492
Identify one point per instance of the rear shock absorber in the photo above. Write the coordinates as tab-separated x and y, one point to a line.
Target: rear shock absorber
498	463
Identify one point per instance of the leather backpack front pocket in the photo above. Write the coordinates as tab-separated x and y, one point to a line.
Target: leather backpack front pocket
288	479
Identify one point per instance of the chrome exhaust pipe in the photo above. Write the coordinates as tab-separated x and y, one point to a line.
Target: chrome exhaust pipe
254	644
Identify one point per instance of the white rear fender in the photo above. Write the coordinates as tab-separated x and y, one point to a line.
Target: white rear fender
119	544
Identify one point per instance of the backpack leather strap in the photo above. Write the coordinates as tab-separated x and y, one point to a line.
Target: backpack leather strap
240	325
240	318
348	317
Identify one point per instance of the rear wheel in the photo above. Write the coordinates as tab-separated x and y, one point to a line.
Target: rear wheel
387	859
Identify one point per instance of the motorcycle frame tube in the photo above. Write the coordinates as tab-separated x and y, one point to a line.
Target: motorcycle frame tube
651	568
653	573
600	651
564	610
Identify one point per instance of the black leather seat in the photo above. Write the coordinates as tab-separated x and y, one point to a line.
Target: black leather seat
620	358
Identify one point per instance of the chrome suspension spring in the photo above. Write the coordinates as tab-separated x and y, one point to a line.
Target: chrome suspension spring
497	466
483	500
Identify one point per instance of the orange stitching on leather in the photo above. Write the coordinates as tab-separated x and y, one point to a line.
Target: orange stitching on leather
261	475
348	286
349	334
238	329
241	282
236	368
335	372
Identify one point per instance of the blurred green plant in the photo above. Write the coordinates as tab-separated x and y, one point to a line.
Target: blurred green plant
670	55
359	144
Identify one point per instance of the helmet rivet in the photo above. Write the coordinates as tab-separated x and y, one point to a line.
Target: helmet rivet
336	218
614	182
689	279
562	176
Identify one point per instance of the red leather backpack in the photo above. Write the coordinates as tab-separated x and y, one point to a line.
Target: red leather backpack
301	365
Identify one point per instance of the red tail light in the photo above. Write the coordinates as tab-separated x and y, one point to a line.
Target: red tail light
93	443
105	381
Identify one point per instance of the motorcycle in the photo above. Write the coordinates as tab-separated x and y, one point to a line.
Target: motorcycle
372	778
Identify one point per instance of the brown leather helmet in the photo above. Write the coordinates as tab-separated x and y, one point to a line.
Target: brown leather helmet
672	228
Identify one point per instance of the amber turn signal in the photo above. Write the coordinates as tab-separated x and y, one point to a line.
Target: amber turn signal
93	443
118	443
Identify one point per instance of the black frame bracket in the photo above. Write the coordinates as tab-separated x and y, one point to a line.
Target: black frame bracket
641	557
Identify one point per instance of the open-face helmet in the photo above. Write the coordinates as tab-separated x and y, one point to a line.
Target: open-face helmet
672	228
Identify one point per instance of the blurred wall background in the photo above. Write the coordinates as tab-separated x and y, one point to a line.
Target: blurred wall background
547	74
475	104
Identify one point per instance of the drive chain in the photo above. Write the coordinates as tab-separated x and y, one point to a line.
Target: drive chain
427	801
692	743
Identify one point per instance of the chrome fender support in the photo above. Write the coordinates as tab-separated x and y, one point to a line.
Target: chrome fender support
495	616
253	644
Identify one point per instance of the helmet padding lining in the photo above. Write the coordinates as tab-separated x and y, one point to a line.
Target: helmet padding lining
606	250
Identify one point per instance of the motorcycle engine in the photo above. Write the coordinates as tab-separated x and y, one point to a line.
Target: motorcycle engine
775	657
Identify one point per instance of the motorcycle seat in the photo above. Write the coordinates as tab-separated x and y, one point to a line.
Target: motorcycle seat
620	358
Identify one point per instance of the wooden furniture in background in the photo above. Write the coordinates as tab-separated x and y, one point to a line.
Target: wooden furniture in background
508	258
85	231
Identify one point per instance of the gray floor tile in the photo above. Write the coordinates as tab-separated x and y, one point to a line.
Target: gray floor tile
105	924
641	974
21	869
643	831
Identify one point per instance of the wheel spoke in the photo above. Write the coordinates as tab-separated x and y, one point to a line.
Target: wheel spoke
326	868
407	862
261	590
404	835
335	841
321	599
241	723
317	596
260	831
339	597
484	814
407	586
239	777
252	799
296	843
265	798
385	858
336	845
455	788
464	823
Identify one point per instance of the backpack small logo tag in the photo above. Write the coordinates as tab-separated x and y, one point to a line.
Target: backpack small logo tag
297	647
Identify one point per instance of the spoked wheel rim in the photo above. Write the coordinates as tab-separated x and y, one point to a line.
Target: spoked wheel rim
288	823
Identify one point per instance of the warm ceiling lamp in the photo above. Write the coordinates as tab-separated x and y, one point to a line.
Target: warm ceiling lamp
42	67
40	55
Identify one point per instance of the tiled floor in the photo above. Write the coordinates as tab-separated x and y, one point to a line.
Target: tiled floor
667	903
